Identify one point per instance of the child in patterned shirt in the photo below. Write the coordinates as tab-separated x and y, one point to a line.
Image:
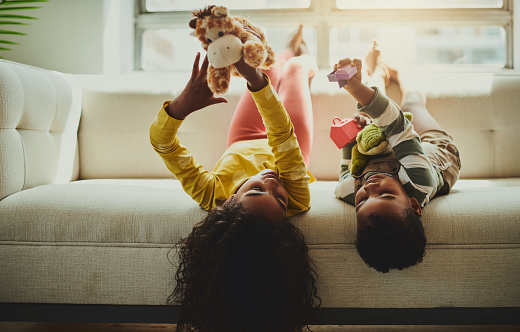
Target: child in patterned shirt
390	191
245	267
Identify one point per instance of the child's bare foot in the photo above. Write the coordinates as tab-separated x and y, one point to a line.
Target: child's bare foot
296	44
373	58
376	66
298	47
392	74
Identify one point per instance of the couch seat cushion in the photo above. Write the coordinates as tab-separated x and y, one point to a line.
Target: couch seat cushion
159	212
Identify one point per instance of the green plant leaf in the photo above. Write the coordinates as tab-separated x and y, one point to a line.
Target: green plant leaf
4	9
12	23
22	2
7	6
7	32
23	17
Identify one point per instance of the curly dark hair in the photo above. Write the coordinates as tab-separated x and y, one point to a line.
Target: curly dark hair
387	244
238	272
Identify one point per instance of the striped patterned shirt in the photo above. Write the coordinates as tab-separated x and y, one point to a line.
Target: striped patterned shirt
416	173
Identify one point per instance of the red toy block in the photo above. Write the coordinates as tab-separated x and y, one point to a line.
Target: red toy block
343	132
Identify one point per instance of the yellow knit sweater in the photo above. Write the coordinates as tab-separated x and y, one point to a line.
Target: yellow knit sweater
279	152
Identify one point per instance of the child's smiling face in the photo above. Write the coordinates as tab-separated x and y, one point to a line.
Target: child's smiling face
264	195
382	194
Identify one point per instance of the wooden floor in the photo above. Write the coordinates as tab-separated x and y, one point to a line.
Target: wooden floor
78	327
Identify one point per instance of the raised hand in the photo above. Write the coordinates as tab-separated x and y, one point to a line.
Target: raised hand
354	82
362	119
196	95
254	76
362	93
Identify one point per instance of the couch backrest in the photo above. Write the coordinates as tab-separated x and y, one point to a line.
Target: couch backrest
480	110
39	117
113	133
40	111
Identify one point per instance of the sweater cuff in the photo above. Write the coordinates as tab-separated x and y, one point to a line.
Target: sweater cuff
377	106
266	93
268	83
164	129
166	120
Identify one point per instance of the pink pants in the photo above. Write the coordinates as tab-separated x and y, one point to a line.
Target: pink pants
247	124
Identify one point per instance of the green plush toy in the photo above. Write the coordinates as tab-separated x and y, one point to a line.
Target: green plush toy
370	141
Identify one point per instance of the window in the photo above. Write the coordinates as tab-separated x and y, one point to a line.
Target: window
450	33
389	4
174	5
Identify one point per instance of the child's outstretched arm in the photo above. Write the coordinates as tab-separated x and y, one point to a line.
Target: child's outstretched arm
281	138
254	77
364	95
345	187
416	172
355	86
196	181
196	95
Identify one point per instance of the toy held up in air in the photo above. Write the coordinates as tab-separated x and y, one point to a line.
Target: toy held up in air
342	75
227	39
343	132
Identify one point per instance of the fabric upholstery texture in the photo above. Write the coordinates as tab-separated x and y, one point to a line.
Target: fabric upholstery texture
90	214
39	117
478	110
160	212
142	275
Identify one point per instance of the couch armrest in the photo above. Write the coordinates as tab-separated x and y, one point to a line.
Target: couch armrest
39	118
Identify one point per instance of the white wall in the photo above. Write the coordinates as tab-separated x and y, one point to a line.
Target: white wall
76	36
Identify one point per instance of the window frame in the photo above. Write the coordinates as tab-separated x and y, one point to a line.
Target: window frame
323	15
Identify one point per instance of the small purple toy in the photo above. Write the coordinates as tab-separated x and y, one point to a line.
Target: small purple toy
342	75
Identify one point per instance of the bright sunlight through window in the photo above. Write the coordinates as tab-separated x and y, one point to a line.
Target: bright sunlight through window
424	33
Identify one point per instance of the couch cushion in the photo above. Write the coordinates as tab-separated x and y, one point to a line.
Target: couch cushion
139	274
39	117
109	241
480	111
100	211
477	212
116	117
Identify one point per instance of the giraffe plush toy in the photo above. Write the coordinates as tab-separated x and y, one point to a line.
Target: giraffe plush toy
227	39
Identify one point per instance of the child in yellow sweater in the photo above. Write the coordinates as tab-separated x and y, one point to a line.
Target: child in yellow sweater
245	266
263	162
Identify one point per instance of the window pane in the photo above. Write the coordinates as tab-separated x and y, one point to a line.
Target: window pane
405	46
170	49
349	4
175	49
279	37
461	45
176	5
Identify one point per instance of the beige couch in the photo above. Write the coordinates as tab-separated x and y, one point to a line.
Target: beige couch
88	212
